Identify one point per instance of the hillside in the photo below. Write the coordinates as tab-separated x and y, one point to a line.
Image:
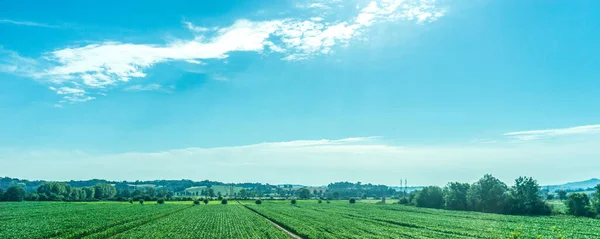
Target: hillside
574	185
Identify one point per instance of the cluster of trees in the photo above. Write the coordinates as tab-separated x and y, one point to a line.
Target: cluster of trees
346	190
488	194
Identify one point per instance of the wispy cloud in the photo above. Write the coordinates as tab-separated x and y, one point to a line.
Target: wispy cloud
317	162
147	87
107	64
28	23
549	133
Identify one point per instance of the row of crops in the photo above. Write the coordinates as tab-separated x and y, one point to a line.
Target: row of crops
308	219
342	220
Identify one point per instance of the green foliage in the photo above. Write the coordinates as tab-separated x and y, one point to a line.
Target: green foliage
160	201
488	194
525	198
205	201
562	195
293	201
258	201
130	201
578	204
14	194
56	191
104	191
596	200
320	201
141	201
352	201
224	201
328	202
455	196
403	201
430	197
303	193
196	202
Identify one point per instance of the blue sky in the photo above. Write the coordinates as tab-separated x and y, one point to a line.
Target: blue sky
300	91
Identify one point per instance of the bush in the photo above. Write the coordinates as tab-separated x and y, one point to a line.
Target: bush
320	201
293	201
224	201
196	202
205	201
160	201
258	201
352	201
403	201
328	201
130	201
141	201
219	198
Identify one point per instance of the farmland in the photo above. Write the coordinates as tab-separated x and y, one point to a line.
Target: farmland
307	218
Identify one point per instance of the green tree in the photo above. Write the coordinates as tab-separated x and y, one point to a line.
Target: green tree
596	200
578	204
104	191
455	196
54	191
303	193
488	194
89	193
430	197
14	194
525	198
1	194
211	193
562	195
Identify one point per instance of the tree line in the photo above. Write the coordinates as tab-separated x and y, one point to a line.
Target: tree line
491	195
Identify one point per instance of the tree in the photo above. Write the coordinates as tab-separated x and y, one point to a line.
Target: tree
352	201
430	197
550	196
196	202
90	193
14	194
1	194
104	191
160	201
488	194
205	201
562	194
596	200
224	201
303	193
258	201
455	196
578	204
54	191
525	198
211	193
293	201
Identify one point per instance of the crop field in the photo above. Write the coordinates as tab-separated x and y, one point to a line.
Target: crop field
306	219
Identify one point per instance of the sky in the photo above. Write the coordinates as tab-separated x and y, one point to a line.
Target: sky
305	92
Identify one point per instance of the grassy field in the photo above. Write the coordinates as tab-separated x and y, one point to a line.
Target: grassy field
308	219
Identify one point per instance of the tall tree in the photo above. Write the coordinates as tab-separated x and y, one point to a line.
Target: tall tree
431	197
488	194
578	204
303	193
525	197
596	200
562	194
104	191
15	194
455	196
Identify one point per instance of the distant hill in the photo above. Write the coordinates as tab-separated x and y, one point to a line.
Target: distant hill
581	185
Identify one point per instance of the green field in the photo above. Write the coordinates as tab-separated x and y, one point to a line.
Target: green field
307	219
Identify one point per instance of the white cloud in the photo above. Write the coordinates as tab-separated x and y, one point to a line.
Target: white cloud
366	159
111	63
148	87
27	23
549	133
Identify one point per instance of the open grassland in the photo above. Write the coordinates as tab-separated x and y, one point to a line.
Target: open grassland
308	219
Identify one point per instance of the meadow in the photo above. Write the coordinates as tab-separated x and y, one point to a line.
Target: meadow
306	219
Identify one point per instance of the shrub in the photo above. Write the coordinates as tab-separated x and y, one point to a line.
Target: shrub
219	198
293	201
160	201
352	201
196	202
258	201
130	201
328	201
141	201
403	201
224	201
205	201
320	201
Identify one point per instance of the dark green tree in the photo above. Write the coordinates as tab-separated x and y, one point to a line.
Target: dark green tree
455	196
303	193
104	191
596	200
14	194
205	201
89	193
525	198
352	201
488	194
430	197
1	194
562	195
578	204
